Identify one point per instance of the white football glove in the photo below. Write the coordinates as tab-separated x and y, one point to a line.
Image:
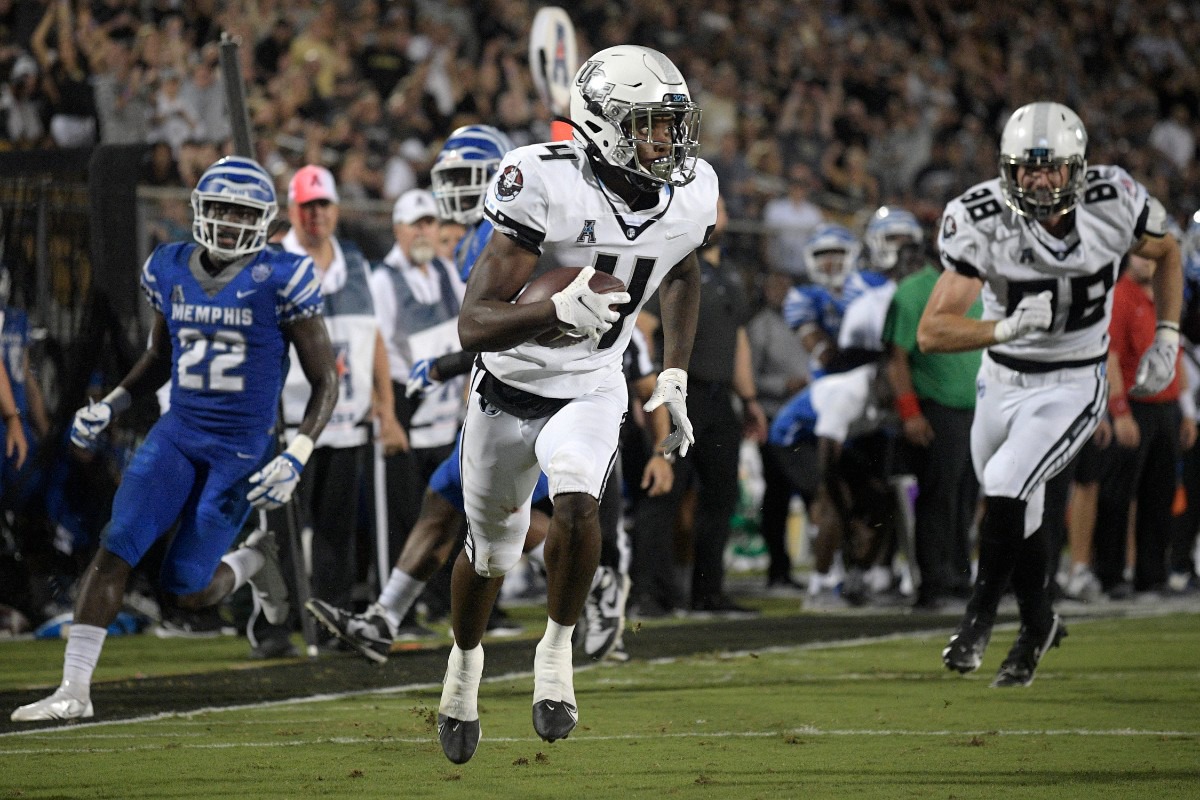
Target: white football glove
671	388
95	417
419	379
275	483
1032	314
1156	370
89	422
585	313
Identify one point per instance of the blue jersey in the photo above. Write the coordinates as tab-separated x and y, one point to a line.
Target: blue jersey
813	304
858	282
467	251
795	422
229	354
14	344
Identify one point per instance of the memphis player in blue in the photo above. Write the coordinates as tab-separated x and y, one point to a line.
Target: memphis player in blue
814	309
24	413
226	309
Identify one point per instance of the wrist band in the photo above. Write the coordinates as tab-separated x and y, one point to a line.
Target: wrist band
1118	406
1187	405
908	406
300	449
118	399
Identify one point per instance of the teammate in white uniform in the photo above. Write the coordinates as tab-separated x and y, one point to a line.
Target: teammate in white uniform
629	196
1044	242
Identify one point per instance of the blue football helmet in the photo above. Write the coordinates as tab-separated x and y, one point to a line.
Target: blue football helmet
232	205
830	254
1189	243
889	229
463	170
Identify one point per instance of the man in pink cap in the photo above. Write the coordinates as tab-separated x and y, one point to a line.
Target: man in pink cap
330	485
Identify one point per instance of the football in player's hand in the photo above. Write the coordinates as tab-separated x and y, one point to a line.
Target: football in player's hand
548	283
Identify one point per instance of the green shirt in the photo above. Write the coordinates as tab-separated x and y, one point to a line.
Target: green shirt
946	378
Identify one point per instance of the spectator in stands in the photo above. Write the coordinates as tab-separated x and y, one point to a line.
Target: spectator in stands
65	78
122	96
203	94
790	221
22	104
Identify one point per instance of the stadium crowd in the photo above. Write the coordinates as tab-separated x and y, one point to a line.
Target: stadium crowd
813	114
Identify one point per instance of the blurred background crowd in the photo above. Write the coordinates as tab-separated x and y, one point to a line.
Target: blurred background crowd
848	103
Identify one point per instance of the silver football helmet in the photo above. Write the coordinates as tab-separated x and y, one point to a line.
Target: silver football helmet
615	99
890	229
1043	135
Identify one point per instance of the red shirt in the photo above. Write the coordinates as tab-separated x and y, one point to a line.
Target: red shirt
1131	332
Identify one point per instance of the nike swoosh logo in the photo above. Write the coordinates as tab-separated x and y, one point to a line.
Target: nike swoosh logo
550	706
244	455
671	236
241	294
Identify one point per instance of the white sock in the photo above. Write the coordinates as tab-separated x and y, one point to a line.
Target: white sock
817	581
557	635
553	673
460	691
84	643
245	562
398	595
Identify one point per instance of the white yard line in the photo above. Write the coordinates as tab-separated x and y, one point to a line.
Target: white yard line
802	731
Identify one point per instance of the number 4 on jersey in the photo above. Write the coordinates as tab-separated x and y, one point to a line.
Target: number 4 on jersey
635	284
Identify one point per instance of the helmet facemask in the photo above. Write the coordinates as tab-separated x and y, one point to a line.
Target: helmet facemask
1044	202
458	186
678	166
227	234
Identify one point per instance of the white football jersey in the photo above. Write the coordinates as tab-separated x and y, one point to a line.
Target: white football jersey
862	324
546	198
982	237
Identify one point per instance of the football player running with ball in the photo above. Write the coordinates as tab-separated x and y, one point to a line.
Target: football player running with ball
627	196
1044	242
226	309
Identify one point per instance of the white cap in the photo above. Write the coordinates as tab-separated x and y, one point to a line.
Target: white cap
413	205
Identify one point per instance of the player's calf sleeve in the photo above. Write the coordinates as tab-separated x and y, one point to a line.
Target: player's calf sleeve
1029	581
1000	535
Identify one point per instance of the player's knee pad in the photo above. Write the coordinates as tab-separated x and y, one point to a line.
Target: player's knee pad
492	559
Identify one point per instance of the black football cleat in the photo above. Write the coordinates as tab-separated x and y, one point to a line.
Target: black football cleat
554	719
459	739
1022	660
964	651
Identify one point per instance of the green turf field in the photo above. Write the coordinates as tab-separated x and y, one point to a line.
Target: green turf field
1112	714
